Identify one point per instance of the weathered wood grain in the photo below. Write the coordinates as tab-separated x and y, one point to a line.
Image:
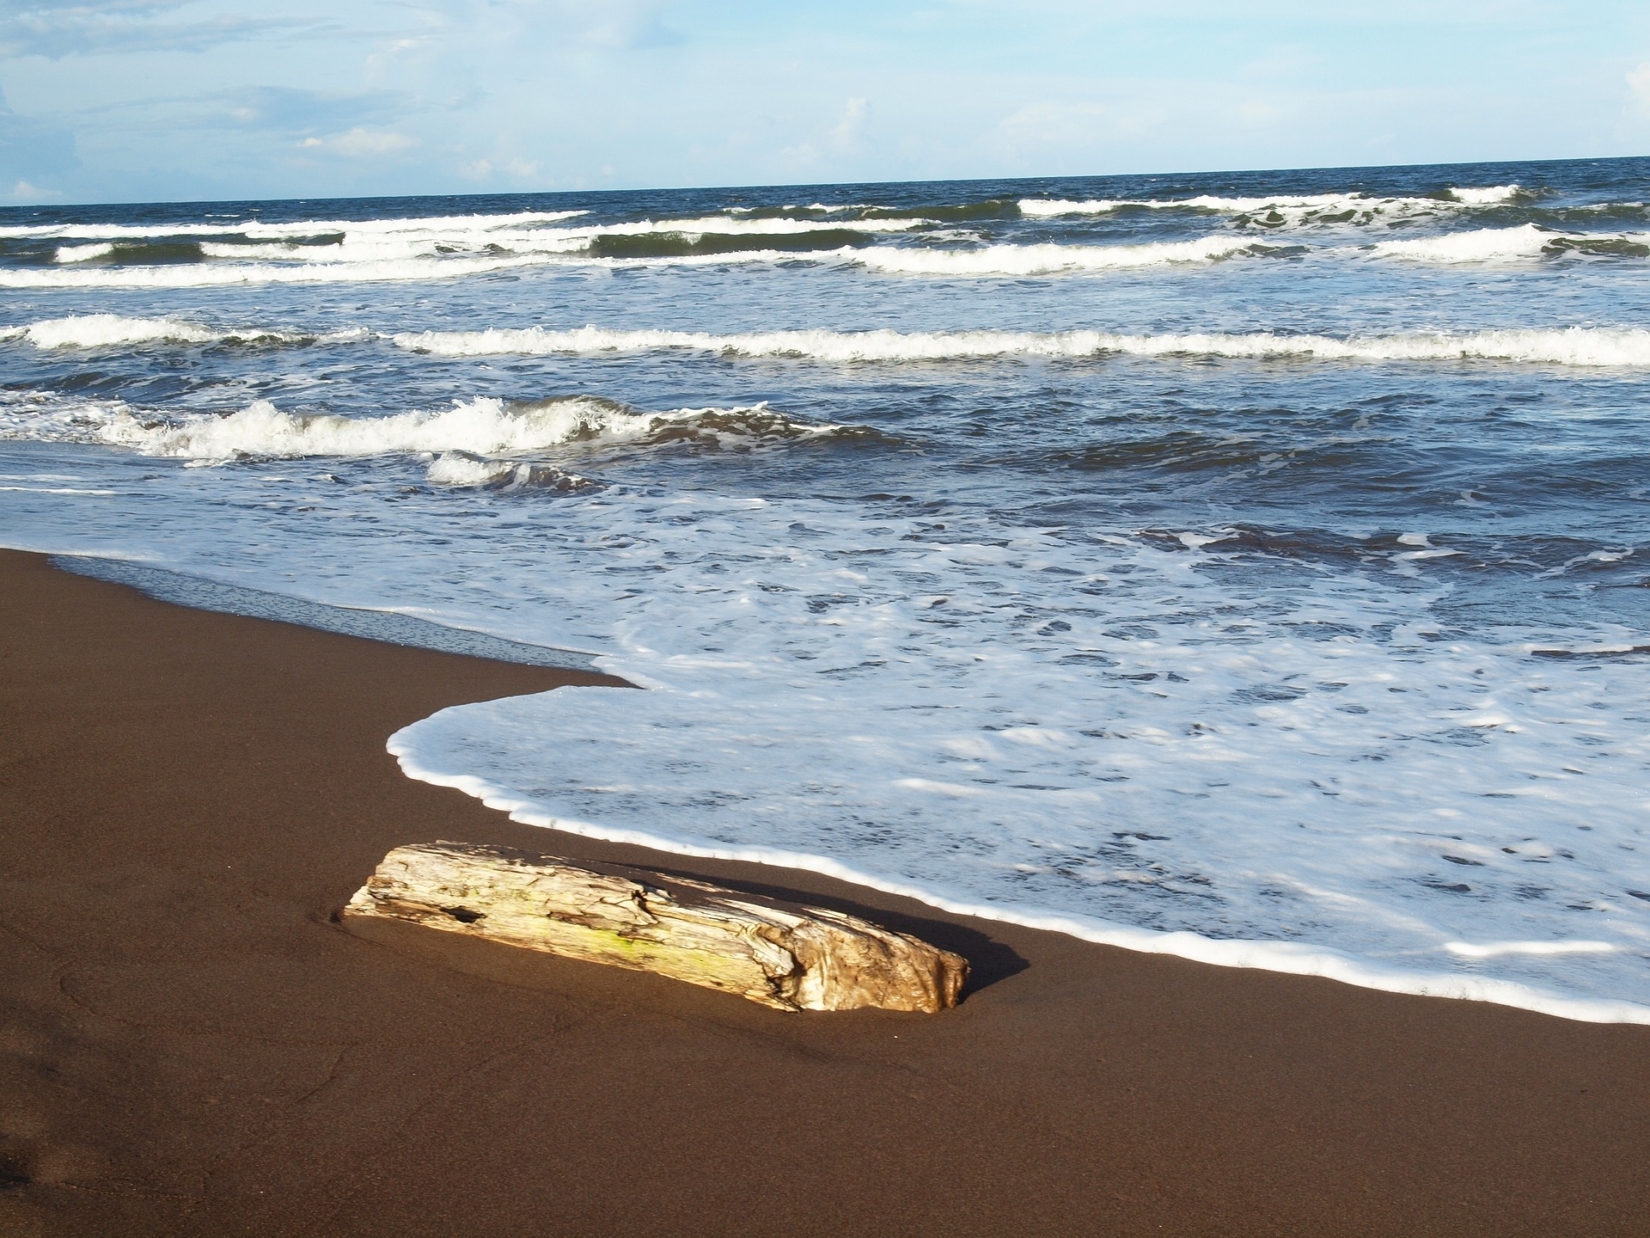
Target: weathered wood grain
783	955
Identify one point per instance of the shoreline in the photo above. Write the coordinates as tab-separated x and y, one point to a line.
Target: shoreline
1285	958
192	1046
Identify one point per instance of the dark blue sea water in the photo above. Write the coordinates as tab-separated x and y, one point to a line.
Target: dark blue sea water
1248	566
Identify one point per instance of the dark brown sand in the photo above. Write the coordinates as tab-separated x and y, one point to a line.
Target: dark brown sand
190	1045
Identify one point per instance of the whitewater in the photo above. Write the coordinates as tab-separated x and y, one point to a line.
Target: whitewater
1248	567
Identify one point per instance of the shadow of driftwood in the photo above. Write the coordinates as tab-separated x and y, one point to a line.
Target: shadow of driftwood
989	960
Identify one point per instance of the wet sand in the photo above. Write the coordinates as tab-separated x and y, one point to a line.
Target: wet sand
190	1045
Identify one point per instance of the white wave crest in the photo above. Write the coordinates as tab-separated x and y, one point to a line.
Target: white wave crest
1510	244
1047	207
1491	195
113	330
723	225
1044	259
466	433
105	330
1479	245
482	427
481	441
464	470
1284	209
82	253
1575	346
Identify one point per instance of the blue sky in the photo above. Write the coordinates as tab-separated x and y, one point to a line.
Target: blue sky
138	100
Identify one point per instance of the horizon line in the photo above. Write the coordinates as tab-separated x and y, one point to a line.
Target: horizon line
960	180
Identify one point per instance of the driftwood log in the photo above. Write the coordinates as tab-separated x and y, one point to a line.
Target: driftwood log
780	954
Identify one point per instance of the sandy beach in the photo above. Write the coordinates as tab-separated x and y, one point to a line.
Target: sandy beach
191	1045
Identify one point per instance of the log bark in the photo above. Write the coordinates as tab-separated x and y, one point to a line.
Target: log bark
780	954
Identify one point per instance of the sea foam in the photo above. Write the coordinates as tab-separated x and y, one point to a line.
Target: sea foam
1303	792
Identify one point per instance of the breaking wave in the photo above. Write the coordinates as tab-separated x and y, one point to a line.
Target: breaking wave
1283	209
463	434
1491	195
1577	346
114	330
1509	244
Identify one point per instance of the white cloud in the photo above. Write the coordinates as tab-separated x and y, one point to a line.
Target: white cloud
1638	81
514	170
359	142
846	137
849	133
23	191
1040	127
1260	112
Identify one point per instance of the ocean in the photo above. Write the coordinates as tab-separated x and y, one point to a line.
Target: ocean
1245	566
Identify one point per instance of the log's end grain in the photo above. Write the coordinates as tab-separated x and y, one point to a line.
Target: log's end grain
784	955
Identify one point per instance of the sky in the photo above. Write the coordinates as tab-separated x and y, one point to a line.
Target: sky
188	100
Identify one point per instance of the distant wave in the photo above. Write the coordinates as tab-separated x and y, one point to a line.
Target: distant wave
1322	207
640	249
403	254
1576	346
327	251
256	228
375	241
1047	259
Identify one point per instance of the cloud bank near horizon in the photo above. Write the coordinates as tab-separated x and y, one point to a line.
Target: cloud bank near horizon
126	100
